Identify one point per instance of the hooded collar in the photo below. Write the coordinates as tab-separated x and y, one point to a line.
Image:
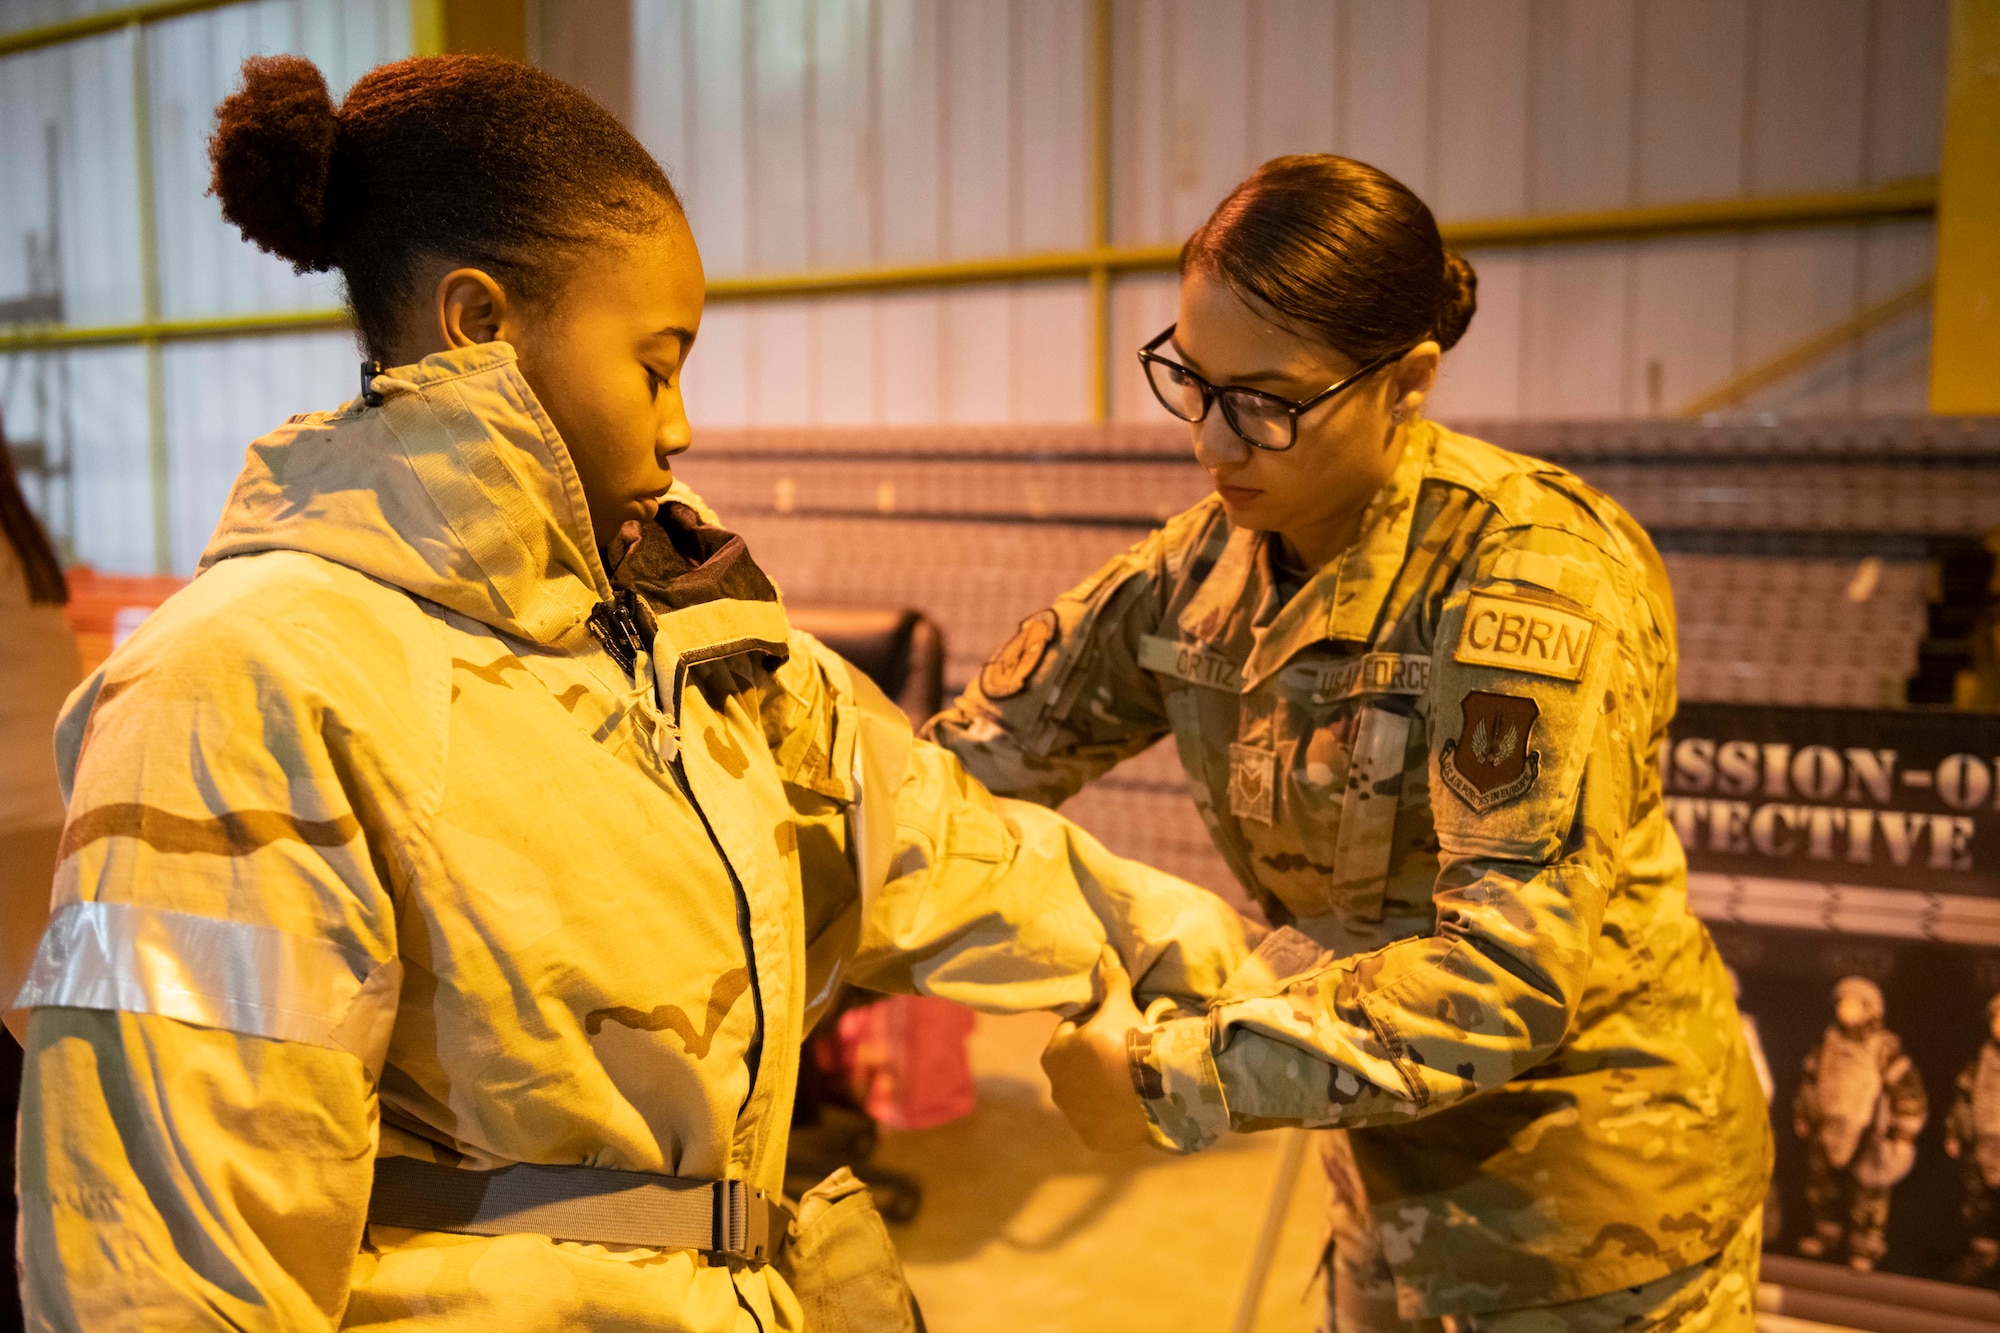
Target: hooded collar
1341	601
456	489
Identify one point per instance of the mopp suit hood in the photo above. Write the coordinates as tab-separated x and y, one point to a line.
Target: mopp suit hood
456	490
373	849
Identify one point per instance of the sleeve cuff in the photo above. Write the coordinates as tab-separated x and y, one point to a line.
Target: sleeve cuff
1173	1071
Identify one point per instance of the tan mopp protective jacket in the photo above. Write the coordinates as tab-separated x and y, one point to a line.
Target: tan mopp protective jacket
373	848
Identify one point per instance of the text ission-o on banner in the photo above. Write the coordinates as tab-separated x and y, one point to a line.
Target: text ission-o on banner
1847	862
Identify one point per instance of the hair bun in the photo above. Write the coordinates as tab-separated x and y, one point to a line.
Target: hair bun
272	151
1458	298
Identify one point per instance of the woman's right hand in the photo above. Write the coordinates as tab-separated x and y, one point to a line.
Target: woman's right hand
1090	1071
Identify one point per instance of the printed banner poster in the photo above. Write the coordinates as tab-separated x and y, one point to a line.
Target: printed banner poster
1848	864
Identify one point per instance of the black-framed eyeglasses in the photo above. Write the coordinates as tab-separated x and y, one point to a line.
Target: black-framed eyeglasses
1261	420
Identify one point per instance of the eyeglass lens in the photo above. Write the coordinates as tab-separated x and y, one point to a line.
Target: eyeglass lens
1258	419
1177	391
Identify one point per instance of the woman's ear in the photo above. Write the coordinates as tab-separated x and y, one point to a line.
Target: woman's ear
470	308
1413	379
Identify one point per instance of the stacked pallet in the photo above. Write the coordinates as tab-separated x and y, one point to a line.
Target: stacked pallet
1766	629
1805	556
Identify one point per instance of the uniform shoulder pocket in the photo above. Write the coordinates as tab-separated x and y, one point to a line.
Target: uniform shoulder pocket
1522	655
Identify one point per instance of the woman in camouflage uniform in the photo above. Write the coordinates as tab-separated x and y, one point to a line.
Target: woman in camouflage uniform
1419	687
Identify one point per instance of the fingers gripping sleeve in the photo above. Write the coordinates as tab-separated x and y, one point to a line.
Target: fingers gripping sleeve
180	1177
1532	771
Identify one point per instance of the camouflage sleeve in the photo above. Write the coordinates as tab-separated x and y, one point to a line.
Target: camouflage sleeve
1065	699
1805	1102
1909	1104
1548	660
1959	1126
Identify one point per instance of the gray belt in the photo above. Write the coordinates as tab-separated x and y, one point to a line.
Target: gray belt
580	1203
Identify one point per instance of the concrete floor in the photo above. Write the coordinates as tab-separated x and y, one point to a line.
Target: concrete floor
1025	1230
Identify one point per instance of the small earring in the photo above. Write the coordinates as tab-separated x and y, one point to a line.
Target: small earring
1397	416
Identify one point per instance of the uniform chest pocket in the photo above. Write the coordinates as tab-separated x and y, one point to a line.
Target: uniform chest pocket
1332	847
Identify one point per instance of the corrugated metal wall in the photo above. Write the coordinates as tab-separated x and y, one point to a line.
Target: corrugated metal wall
67	135
838	133
862	132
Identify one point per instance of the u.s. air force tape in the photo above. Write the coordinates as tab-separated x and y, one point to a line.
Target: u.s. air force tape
1341	678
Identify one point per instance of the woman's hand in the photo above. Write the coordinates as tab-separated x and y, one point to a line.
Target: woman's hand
1089	1075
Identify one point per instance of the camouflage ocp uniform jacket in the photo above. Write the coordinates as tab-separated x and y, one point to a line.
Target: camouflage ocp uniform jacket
1437	763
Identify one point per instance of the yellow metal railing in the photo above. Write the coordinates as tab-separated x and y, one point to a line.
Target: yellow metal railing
1914	198
96	25
465	24
1812	350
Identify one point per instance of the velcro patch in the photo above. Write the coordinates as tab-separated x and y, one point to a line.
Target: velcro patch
1190	662
1253	777
1371	673
1515	634
1491	762
1014	665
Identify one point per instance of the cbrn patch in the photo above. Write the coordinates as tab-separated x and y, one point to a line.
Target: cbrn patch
1010	669
1491	762
1515	634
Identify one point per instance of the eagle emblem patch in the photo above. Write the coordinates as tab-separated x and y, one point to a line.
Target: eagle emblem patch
1491	763
1010	669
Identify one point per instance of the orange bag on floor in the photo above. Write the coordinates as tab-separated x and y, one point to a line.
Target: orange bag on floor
906	1060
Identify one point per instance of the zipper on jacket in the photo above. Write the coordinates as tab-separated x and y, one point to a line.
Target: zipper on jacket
624	623
755	1056
615	624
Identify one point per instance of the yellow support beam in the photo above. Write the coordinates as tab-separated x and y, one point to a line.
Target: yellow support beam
1794	359
1906	199
1965	313
1913	198
1100	209
490	27
96	25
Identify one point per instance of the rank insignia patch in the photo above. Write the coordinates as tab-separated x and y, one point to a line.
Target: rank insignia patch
1010	669
1253	773
1490	762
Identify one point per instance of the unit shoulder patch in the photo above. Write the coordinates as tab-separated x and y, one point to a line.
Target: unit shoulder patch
1010	669
1515	634
1491	762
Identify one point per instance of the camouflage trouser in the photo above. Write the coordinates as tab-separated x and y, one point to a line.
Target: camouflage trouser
1849	1219
1980	1207
1718	1295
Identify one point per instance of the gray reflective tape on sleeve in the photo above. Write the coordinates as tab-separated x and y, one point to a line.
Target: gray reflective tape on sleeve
231	975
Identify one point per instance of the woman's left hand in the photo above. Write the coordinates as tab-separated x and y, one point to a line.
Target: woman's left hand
1089	1072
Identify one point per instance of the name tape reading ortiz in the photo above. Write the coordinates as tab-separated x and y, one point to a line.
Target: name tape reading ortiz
1875	795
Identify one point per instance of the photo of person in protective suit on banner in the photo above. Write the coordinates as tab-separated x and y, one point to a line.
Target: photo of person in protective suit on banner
1859	1109
1972	1136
